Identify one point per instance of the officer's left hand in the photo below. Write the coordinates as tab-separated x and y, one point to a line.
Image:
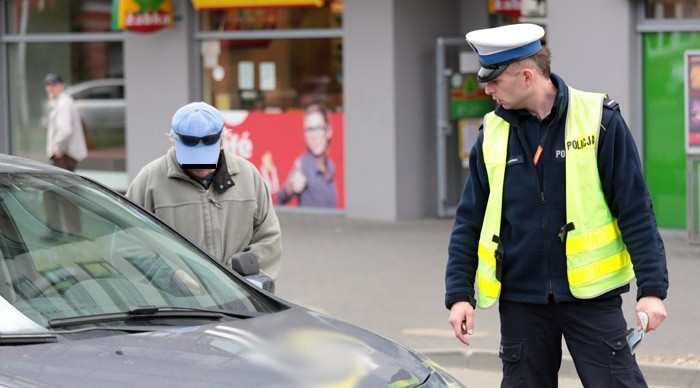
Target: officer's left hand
655	309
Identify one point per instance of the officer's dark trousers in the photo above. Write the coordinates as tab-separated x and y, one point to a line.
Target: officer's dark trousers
595	334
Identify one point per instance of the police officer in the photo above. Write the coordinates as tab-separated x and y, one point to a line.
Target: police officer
554	222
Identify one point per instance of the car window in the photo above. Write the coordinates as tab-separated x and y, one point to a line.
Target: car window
105	92
68	248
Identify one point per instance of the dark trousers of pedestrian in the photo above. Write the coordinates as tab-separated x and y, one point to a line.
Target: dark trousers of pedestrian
61	214
595	334
65	162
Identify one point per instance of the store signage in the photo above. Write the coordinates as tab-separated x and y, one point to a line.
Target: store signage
209	4
142	15
505	7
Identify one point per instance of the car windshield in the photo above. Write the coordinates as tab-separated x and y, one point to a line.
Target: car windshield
71	249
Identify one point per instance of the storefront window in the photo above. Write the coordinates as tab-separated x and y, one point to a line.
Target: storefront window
672	9
281	95
93	74
45	16
272	75
49	36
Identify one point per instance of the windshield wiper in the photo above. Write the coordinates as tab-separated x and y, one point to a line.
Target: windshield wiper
180	310
143	312
27	338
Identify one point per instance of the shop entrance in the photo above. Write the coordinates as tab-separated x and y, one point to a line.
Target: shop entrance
460	105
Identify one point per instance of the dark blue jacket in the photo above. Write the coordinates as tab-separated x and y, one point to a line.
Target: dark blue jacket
534	210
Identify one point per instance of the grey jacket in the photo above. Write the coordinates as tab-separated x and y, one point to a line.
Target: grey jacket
234	214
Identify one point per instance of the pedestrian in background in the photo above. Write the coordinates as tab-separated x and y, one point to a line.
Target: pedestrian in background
65	142
216	199
312	178
554	222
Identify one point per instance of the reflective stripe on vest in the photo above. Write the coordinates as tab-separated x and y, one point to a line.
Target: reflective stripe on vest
495	150
597	259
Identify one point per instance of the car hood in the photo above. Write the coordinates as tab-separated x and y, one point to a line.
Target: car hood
296	347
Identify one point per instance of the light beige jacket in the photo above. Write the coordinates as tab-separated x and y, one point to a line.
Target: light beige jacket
65	130
235	216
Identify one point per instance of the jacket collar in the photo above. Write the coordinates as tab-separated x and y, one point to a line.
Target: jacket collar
226	169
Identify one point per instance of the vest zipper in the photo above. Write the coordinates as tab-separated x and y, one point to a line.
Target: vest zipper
540	185
548	247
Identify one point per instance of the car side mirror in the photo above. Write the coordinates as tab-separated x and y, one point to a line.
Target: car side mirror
246	264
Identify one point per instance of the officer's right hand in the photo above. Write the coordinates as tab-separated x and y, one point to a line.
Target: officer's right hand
462	320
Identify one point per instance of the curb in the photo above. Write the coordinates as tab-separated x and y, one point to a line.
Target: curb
654	373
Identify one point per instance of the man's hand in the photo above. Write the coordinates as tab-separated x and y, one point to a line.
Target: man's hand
462	320
298	182
655	309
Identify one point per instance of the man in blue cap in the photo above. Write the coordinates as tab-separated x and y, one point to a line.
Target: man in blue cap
216	199
554	222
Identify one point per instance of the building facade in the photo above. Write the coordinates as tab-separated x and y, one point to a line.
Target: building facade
372	63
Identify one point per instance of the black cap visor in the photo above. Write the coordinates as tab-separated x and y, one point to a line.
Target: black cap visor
490	72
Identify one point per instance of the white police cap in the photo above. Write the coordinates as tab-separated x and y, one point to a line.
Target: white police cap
498	47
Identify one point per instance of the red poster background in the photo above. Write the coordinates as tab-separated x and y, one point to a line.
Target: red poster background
250	134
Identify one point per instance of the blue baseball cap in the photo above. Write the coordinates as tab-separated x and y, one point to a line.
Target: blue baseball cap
197	120
500	46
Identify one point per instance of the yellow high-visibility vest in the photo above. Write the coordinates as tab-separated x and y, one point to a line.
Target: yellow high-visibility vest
597	260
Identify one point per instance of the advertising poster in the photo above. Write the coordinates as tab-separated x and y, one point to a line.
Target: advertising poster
467	99
692	107
286	147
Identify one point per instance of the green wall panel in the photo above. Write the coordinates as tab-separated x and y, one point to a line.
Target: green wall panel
664	125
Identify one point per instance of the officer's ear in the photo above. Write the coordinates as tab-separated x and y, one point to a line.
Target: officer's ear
528	75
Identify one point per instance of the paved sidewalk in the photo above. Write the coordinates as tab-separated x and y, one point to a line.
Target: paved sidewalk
388	277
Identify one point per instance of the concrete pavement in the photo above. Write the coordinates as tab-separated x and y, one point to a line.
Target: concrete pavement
388	277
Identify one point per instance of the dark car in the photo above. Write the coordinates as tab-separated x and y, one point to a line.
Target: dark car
98	292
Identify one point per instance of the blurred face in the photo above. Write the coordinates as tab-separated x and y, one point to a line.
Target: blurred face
508	89
317	133
53	89
200	173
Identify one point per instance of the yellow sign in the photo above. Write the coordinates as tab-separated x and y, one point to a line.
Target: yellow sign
208	4
142	15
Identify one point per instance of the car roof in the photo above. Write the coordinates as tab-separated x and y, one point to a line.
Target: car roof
9	163
79	87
